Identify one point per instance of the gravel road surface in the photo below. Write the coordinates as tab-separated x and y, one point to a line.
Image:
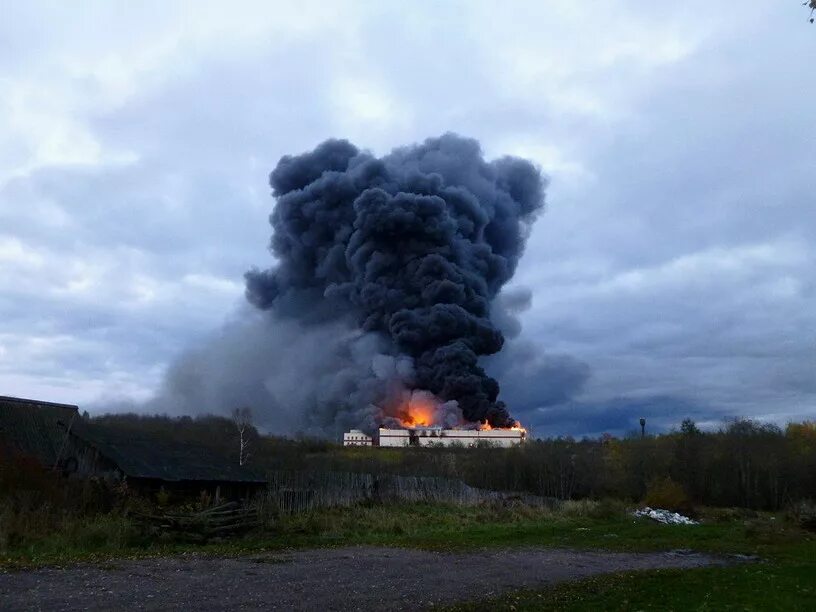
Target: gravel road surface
355	578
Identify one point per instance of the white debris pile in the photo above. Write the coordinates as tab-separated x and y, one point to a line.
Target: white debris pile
665	516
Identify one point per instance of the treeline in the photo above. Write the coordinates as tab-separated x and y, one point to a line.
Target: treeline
745	463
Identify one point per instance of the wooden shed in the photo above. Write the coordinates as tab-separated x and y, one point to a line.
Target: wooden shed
57	437
37	429
150	463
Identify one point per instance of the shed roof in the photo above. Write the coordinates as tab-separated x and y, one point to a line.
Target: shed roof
35	428
155	458
40	429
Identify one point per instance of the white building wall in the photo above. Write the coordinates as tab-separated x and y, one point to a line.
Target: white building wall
432	436
393	437
355	437
469	437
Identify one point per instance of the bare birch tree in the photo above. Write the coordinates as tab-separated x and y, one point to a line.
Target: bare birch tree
242	417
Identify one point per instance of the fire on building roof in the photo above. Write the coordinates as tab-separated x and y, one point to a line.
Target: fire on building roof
436	436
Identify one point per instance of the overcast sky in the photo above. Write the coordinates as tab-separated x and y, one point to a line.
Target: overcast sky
675	259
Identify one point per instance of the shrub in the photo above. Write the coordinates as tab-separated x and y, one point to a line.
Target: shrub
803	513
667	494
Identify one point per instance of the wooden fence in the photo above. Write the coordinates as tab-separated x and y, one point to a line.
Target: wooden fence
292	492
218	521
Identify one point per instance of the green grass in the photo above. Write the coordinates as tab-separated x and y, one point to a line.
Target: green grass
787	586
784	581
785	578
437	527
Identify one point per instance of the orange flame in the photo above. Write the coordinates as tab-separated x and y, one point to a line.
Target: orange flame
519	427
416	413
420	411
516	427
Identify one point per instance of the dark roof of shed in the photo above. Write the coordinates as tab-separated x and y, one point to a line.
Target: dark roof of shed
155	458
34	427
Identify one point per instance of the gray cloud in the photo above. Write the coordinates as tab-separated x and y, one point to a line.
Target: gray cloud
620	416
675	259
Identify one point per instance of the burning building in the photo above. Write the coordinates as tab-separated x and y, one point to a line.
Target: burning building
388	269
436	436
416	425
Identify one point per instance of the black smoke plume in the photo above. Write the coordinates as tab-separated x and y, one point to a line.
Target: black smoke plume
411	248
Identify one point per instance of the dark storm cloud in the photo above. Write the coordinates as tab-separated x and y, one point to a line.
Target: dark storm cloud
618	416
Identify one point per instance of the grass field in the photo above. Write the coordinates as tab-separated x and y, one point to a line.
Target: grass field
784	586
784	580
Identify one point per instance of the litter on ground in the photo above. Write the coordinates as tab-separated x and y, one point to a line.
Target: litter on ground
665	516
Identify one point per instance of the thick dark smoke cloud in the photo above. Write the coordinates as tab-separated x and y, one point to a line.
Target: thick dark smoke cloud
386	290
412	247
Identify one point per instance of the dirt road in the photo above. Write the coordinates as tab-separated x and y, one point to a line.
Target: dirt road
357	578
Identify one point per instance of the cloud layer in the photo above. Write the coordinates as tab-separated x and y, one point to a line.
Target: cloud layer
672	274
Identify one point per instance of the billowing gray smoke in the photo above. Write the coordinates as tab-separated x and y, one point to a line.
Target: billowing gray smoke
410	249
385	294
